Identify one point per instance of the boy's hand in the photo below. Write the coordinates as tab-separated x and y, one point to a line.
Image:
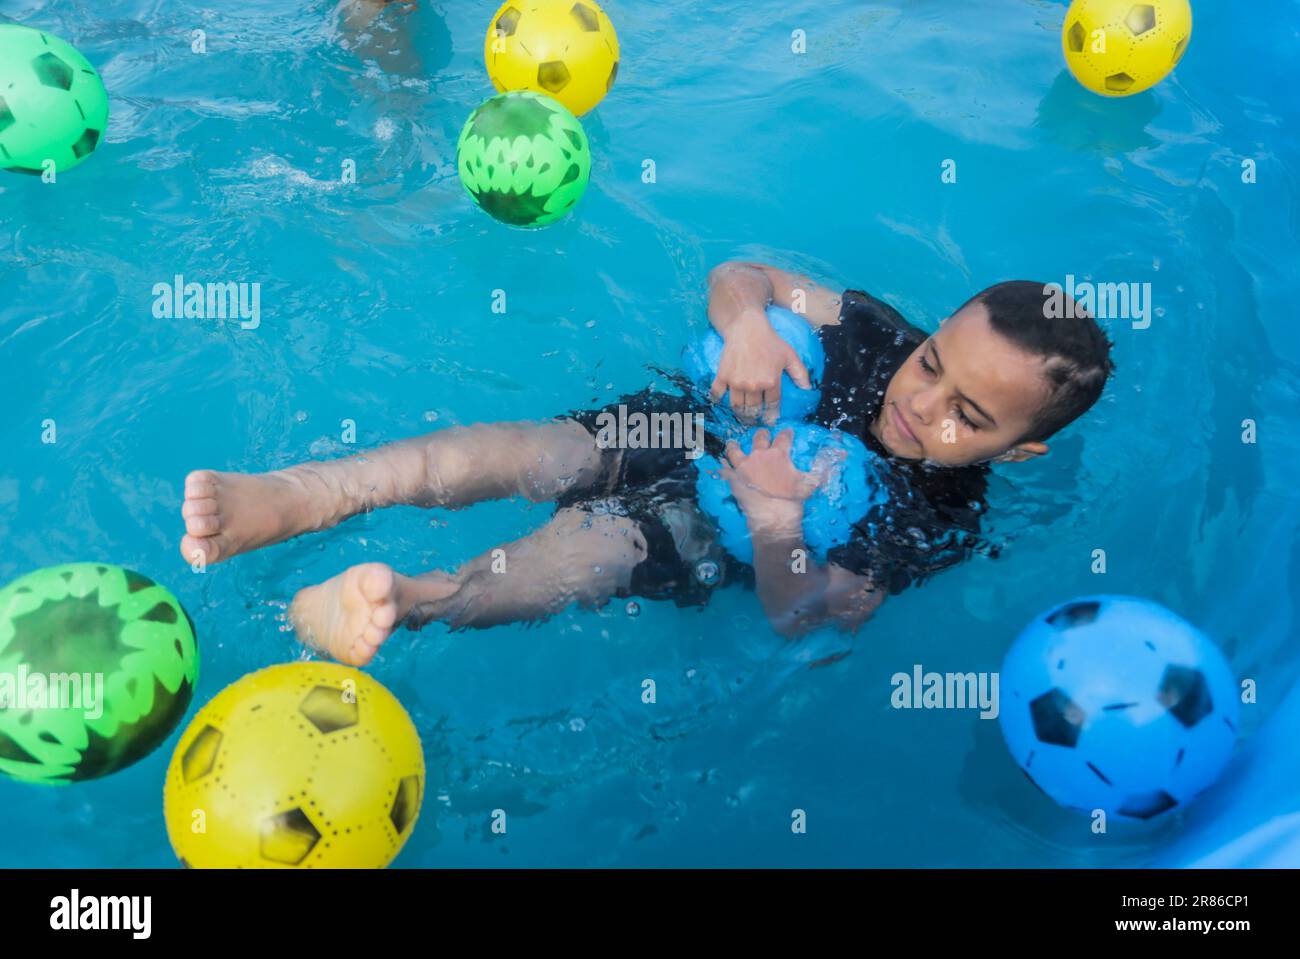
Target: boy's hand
769	488
753	358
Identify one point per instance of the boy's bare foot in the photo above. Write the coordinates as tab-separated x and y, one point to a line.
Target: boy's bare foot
349	616
231	513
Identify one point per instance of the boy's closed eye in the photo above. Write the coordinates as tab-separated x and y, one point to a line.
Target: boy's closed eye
957	409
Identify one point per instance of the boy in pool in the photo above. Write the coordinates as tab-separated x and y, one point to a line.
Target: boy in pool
997	379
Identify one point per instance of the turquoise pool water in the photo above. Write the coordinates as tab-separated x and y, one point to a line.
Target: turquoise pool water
376	307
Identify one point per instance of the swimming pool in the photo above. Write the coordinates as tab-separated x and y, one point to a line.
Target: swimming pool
376	307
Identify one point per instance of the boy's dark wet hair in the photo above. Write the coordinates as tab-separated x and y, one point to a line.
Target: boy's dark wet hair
1077	349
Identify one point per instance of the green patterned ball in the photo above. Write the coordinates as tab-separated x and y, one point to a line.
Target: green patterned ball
524	158
97	667
53	106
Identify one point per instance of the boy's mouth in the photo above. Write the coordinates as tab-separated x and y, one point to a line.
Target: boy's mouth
902	429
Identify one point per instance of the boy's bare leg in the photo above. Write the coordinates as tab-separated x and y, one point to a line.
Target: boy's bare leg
577	556
231	513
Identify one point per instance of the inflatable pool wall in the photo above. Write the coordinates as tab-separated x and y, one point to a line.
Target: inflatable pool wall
1252	817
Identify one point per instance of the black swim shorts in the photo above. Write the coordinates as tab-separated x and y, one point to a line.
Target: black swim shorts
652	482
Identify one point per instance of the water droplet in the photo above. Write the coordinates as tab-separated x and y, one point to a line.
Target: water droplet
430	416
577	724
706	571
595	569
300	416
633	608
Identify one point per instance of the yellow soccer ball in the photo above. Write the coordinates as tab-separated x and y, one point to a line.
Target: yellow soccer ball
306	764
1121	47
566	49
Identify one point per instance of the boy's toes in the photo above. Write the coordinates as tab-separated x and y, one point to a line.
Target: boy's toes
208	548
383	616
199	506
361	653
208	525
376	583
200	484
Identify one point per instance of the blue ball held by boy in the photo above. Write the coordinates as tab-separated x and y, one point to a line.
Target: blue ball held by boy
701	360
850	490
1115	703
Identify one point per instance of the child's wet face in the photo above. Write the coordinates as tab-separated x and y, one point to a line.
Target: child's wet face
966	394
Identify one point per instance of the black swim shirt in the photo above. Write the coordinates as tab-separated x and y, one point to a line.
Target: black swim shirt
932	518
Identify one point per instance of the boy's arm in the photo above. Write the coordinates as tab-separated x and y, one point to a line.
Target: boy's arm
740	291
753	355
796	602
799	596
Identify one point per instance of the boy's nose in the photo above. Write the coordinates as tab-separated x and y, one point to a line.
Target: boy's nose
922	406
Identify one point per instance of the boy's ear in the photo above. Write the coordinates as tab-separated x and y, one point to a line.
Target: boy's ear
1021	452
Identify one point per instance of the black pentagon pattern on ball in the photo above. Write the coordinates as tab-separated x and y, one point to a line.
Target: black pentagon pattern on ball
1074	614
613	75
1179	48
553	76
406	804
1141	18
200	756
6	116
586	17
1185	693
1058	720
1119	82
508	22
52	72
288	837
1147	805
1074	37
328	709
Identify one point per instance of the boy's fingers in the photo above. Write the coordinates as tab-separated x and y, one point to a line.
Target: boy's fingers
798	372
762	440
734	453
717	389
784	440
774	401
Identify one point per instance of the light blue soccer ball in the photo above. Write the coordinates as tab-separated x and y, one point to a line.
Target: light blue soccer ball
1115	703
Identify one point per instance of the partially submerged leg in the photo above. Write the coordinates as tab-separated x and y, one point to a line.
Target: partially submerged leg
231	513
576	557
